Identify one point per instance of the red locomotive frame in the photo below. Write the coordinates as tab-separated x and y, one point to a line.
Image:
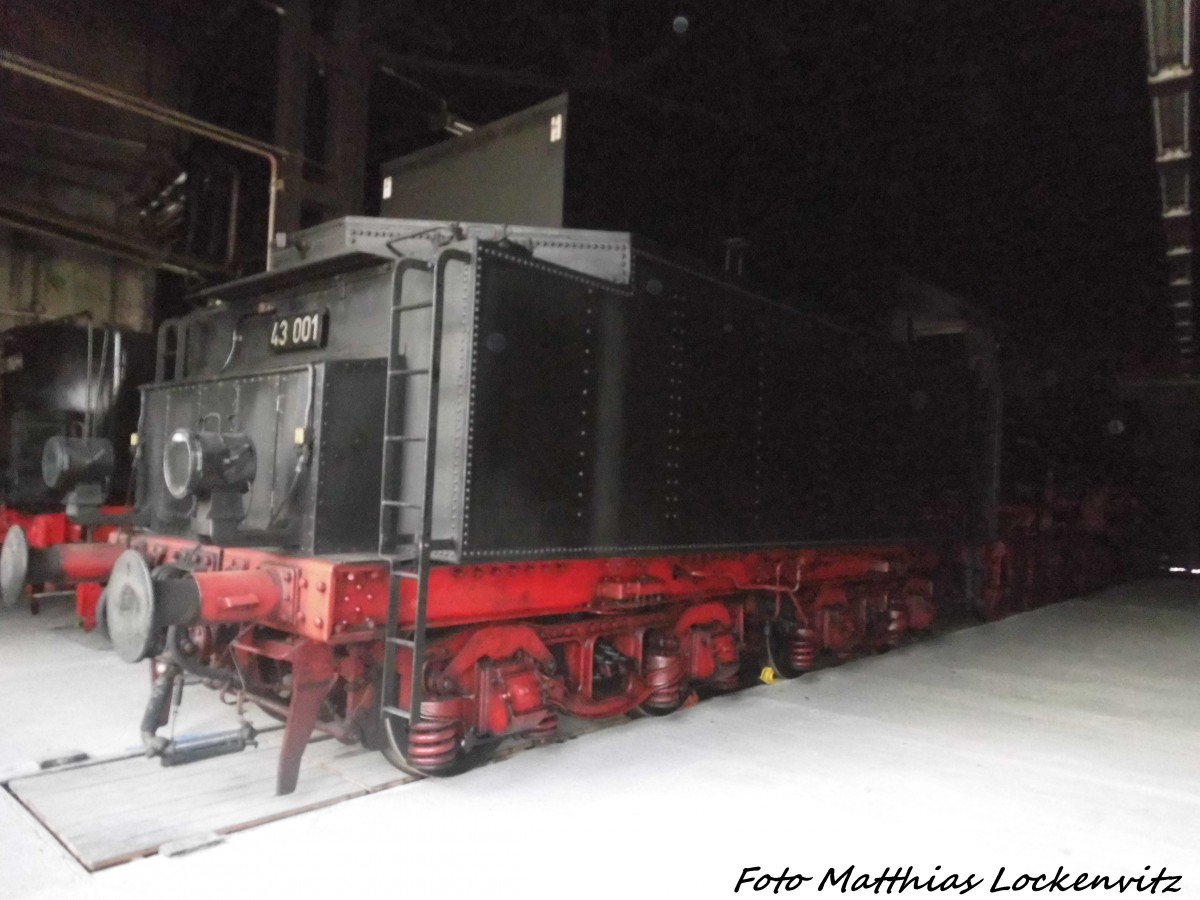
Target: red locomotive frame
509	649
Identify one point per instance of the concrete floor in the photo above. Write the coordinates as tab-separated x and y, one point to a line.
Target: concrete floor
1065	737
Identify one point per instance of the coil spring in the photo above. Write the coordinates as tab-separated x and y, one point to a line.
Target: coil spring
665	675
546	728
433	744
802	650
897	624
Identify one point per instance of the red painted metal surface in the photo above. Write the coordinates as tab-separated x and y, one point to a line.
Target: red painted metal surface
240	595
41	529
48	529
87	597
338	601
75	563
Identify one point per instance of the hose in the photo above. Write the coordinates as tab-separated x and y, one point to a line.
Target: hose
156	710
302	457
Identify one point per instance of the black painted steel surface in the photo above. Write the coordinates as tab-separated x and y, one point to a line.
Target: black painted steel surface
684	414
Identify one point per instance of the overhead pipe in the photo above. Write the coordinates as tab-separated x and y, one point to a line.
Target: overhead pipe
164	115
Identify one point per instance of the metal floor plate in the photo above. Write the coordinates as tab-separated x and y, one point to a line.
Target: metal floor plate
112	812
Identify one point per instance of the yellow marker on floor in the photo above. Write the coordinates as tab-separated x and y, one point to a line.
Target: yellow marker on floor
767	675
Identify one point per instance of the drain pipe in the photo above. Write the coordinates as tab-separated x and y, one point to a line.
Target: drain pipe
164	115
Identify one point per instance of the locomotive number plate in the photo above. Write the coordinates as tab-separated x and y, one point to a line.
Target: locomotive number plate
303	332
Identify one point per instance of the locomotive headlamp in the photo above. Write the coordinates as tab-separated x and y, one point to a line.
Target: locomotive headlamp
68	462
207	462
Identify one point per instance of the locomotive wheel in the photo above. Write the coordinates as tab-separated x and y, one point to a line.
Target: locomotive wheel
394	747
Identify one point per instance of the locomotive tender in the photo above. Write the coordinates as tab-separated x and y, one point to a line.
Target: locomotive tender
426	485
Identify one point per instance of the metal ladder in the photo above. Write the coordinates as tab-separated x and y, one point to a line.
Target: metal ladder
409	562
